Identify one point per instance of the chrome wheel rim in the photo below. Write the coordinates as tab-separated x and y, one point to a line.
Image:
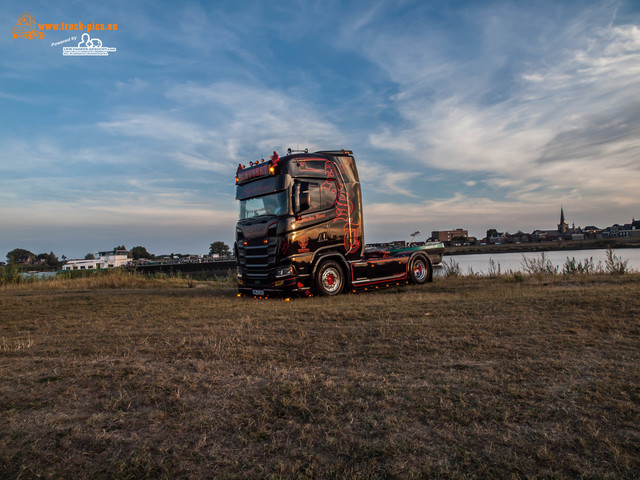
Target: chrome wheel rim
419	270
331	280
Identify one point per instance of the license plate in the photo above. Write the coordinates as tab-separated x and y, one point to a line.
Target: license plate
258	292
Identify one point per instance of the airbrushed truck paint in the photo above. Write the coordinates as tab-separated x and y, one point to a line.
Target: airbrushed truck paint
306	240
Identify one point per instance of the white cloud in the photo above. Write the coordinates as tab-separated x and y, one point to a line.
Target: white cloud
257	119
574	107
477	214
159	126
379	178
208	126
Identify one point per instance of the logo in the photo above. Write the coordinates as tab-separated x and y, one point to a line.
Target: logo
26	27
88	47
284	246
302	244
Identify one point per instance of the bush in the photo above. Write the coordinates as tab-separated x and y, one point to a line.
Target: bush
451	269
572	266
614	264
9	274
518	277
538	266
494	269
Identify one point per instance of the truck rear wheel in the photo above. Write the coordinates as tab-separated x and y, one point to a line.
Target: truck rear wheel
329	279
420	270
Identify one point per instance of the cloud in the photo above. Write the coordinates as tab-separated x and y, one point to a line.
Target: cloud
158	126
614	137
257	118
566	115
213	127
380	178
477	214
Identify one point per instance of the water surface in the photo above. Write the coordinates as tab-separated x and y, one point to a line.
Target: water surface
512	261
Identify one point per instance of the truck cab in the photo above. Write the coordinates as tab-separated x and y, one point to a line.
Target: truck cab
300	230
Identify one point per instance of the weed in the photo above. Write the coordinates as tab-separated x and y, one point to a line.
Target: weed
9	274
538	266
451	268
614	264
117	278
572	266
494	269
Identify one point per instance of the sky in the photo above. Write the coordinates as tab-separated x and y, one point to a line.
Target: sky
467	114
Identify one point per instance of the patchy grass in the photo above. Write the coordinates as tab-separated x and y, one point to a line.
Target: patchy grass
116	278
465	378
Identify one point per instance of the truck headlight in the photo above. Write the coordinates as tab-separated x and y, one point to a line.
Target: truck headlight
284	272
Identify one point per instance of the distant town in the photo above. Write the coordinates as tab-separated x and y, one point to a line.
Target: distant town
460	236
219	251
119	256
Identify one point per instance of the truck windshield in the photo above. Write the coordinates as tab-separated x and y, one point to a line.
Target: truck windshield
273	204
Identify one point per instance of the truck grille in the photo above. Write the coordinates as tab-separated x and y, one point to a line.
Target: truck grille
257	259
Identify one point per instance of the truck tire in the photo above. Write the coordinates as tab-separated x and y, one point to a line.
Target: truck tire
419	270
329	279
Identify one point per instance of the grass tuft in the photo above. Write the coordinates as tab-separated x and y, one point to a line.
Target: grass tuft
117	278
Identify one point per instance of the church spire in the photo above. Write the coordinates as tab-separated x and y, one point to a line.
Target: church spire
562	226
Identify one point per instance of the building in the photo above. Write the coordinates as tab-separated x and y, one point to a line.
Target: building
449	235
111	259
563	227
591	231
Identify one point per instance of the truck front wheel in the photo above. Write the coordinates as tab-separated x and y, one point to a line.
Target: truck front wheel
329	279
420	270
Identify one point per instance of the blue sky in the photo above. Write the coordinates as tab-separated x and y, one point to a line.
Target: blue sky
461	114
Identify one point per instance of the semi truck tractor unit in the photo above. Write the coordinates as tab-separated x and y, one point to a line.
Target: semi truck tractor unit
300	230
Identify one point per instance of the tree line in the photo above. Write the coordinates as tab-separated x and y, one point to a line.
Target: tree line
25	257
21	256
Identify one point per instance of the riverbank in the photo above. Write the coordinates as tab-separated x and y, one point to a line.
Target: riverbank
462	378
615	243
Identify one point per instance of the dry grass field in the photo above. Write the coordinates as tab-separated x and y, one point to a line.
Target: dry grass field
462	378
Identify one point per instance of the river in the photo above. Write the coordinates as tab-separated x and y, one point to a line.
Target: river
481	263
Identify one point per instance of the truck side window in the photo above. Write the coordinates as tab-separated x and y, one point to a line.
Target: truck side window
316	196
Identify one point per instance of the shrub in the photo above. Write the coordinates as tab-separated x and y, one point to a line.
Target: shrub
452	268
494	269
572	266
614	264
9	274
538	266
518	277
